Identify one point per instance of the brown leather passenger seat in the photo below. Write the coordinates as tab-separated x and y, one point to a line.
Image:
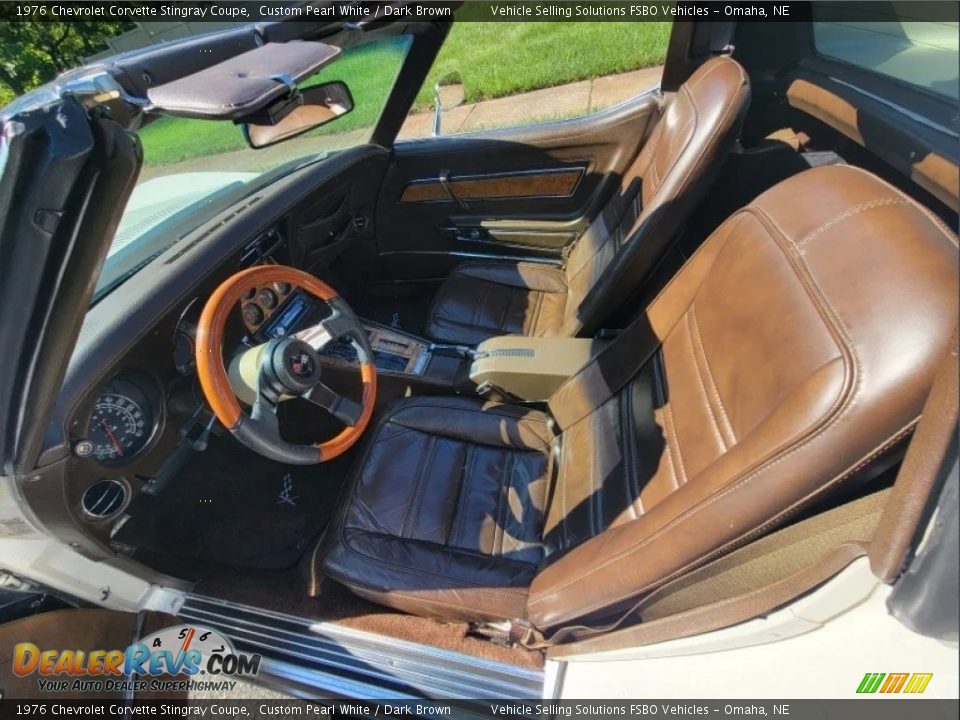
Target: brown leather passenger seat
671	174
795	347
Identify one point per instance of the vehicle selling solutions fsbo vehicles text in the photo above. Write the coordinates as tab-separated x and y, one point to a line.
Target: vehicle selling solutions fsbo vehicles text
652	10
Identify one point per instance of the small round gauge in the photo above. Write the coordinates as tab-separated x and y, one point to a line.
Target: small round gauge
250	294
184	353
119	428
252	314
267	298
282	287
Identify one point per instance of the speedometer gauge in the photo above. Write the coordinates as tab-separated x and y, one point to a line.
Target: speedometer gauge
119	428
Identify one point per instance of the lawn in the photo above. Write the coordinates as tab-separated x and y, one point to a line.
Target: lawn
505	58
494	60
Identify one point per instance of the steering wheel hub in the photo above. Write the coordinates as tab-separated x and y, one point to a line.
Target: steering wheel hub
290	367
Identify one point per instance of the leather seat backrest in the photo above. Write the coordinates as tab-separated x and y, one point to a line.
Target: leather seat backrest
671	174
795	346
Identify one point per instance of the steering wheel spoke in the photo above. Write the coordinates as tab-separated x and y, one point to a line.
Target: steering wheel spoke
343	409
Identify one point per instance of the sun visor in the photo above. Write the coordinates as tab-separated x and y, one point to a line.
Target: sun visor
245	84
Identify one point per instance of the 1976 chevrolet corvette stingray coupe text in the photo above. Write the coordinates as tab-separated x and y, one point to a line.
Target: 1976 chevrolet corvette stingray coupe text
463	414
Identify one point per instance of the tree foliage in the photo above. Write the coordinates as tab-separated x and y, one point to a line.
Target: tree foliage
32	53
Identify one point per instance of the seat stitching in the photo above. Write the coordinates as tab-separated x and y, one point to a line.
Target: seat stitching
716	66
446	578
478	308
698	340
418	484
456	528
485	412
668	430
940	224
695	122
565	463
632	483
470	325
537	308
505	312
727	227
701	385
595	498
587	263
830	418
439	433
441	603
672	435
702	159
503	500
673	470
772	522
373	516
539	269
855	210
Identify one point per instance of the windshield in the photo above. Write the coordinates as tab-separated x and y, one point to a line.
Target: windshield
192	169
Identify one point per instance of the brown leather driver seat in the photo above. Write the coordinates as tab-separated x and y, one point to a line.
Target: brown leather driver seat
795	347
671	174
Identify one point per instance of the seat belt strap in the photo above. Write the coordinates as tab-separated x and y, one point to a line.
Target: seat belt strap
606	375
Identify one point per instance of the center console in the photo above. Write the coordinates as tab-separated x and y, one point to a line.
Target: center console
510	366
396	353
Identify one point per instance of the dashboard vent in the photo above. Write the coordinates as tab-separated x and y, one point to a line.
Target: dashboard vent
104	498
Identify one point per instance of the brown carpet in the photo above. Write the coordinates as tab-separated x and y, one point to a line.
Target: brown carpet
285	592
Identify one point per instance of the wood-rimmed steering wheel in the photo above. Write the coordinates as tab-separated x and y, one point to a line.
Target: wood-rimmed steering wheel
281	369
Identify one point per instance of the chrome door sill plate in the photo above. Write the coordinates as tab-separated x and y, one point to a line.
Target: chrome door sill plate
315	659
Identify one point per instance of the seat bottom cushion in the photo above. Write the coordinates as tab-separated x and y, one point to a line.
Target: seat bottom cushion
444	515
480	300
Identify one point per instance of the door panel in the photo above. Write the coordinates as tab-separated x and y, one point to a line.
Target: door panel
515	193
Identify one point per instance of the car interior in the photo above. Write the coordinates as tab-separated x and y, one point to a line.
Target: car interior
522	391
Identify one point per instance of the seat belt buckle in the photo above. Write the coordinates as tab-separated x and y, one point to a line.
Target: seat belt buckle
509	633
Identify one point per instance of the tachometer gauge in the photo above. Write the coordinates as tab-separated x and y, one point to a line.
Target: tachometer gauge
267	298
119	428
184	353
252	315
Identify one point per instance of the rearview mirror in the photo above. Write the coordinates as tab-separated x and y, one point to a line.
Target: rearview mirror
448	93
317	105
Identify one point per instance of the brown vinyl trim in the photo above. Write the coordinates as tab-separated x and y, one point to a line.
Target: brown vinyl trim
752	581
558	182
932	171
921	471
716	616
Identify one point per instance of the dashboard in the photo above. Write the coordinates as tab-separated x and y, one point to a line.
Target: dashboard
130	411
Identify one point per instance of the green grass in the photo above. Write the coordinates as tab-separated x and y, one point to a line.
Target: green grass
493	59
505	58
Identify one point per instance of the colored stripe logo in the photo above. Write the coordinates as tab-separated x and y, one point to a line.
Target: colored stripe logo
889	683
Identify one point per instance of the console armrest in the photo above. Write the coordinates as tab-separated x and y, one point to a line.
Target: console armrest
530	368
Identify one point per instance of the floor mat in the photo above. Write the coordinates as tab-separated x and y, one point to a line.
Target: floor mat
234	507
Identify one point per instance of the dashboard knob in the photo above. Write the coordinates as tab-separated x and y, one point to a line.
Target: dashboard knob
83	448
